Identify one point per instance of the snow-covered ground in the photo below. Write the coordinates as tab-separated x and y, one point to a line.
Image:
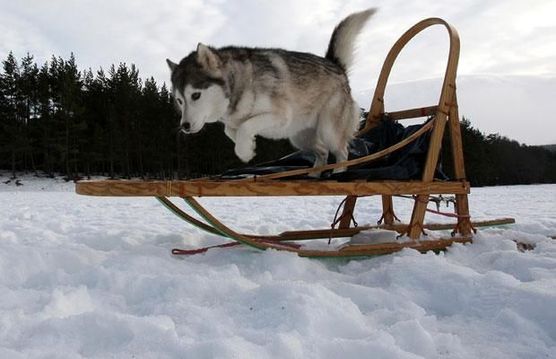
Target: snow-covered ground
94	277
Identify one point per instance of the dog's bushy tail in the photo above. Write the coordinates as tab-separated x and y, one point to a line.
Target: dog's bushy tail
341	46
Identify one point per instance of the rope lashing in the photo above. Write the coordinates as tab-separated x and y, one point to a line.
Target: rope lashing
437	201
390	211
337	218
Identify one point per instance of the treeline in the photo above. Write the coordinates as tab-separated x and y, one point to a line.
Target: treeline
496	160
57	119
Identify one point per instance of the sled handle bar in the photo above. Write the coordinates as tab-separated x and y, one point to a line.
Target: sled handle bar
448	86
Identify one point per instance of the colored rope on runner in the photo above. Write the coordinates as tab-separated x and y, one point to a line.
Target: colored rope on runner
177	251
337	219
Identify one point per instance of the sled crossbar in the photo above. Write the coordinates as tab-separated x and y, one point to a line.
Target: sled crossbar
254	187
412	113
441	118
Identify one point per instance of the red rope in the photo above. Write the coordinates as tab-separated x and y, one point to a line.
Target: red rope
338	219
453	215
186	252
177	251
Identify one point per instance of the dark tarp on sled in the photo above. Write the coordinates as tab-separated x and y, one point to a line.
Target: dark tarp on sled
405	164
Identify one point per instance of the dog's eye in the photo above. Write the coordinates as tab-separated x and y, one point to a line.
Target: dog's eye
180	102
195	96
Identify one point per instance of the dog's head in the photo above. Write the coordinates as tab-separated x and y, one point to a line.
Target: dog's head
198	88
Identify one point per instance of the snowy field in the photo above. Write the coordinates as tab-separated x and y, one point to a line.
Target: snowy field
94	277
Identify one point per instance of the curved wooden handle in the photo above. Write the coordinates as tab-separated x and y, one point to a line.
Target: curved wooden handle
377	104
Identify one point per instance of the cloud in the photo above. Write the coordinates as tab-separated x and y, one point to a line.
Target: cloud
518	107
498	37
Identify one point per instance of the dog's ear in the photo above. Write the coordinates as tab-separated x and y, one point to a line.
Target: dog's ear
208	58
171	65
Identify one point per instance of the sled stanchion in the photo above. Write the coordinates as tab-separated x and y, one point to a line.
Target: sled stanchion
462	205
388	215
441	118
346	218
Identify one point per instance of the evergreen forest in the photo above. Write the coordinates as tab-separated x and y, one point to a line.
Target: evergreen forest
57	119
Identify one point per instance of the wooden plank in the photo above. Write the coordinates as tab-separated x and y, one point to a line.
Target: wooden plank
211	188
398	227
387	248
356	250
412	113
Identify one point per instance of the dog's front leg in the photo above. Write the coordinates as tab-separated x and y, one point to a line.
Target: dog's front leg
245	135
245	146
230	132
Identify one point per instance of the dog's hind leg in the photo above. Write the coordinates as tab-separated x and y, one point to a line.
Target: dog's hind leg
339	128
341	155
330	135
321	154
307	140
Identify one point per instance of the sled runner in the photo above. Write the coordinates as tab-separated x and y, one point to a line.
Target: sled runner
359	180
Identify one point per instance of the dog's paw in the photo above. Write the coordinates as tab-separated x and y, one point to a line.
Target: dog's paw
245	152
231	133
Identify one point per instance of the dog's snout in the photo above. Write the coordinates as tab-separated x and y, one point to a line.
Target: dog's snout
186	126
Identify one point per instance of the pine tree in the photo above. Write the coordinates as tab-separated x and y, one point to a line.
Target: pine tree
44	122
12	121
28	108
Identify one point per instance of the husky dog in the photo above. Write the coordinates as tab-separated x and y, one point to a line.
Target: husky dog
273	93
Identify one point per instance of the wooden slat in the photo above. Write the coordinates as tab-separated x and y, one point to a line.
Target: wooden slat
264	188
412	113
398	227
387	248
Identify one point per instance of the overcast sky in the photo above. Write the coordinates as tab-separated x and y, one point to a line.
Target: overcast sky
499	38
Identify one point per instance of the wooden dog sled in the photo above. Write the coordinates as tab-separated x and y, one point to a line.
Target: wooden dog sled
443	117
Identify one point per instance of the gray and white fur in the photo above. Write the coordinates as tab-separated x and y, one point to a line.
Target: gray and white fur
273	93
